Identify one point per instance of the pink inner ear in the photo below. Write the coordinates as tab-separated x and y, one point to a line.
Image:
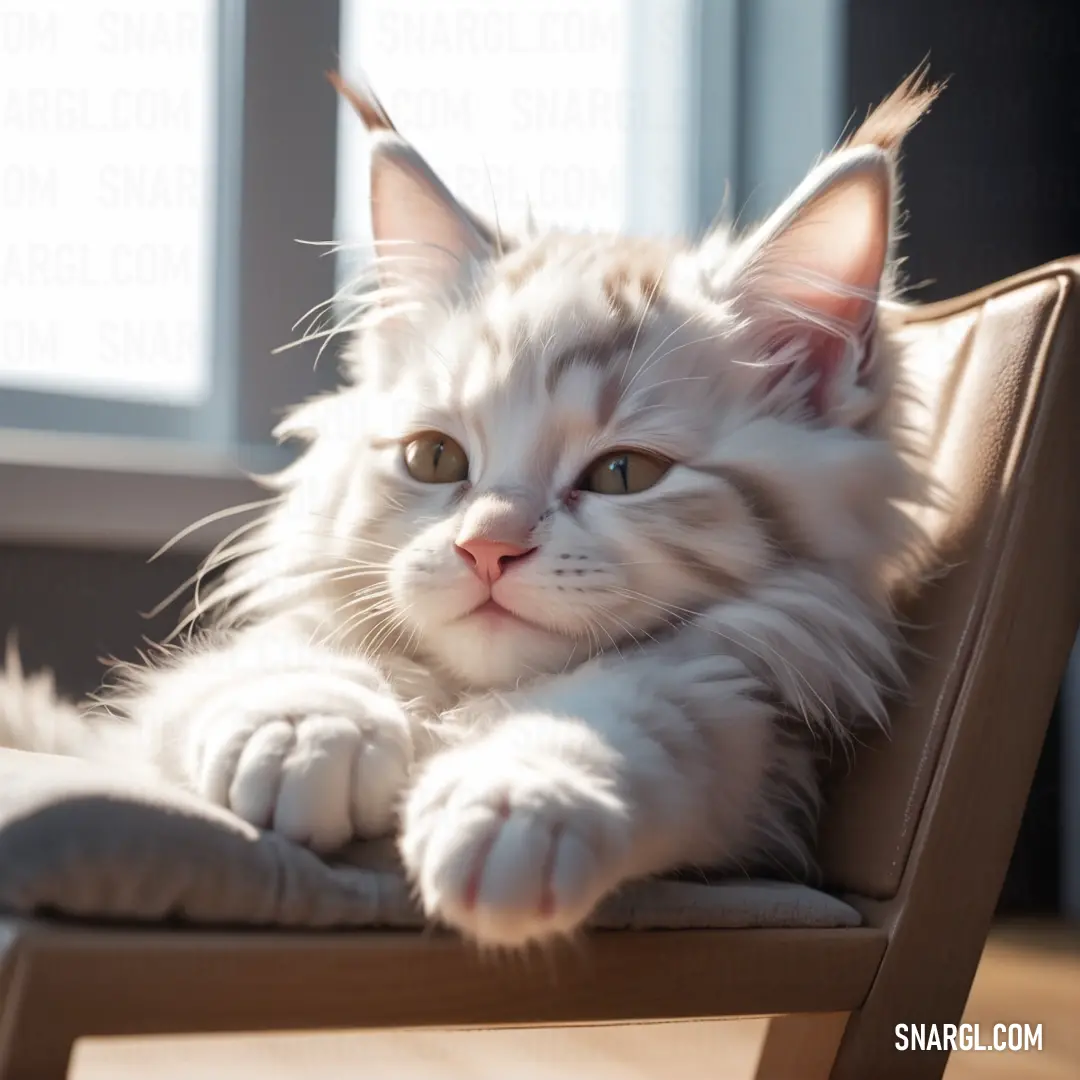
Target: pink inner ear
822	358
825	260
826	353
415	217
842	237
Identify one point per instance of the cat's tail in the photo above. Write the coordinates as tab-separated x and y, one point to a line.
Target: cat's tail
34	717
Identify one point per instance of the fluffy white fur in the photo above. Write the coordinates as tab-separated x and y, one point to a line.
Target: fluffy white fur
665	668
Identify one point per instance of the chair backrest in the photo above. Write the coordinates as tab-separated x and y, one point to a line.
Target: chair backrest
999	374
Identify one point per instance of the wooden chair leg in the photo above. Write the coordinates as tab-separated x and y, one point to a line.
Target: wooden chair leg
38	1059
801	1046
35	1042
869	1048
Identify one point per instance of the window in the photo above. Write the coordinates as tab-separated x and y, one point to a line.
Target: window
162	161
105	200
105	189
160	164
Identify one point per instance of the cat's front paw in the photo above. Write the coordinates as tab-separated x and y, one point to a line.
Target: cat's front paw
512	844
320	774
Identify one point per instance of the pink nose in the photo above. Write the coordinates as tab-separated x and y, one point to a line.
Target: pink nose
488	558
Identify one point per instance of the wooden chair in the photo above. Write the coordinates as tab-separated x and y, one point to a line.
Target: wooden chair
918	834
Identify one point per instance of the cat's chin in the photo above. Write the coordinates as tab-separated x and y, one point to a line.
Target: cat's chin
493	647
493	616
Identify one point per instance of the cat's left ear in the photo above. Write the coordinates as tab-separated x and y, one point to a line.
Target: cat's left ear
421	232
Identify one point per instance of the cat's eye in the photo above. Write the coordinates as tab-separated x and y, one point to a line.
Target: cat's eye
623	472
434	458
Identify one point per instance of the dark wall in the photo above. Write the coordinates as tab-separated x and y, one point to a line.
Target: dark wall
992	175
70	608
992	187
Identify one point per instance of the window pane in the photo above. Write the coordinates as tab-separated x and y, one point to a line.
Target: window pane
105	197
513	102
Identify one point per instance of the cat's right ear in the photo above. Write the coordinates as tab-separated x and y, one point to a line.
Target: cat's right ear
422	233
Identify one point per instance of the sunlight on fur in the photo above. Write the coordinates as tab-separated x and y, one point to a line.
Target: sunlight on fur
583	569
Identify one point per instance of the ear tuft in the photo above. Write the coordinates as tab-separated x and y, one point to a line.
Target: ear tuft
364	103
888	125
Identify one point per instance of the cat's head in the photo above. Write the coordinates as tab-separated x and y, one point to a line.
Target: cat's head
551	444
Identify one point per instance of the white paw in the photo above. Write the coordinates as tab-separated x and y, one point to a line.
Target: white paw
320	773
512	847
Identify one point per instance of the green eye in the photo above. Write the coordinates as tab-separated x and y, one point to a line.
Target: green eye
433	458
623	472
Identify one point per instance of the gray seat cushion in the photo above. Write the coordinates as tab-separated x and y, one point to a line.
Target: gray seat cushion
78	839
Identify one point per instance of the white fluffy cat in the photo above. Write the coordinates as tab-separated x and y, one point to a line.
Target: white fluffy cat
583	566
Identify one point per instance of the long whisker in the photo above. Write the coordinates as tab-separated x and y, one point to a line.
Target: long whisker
218	557
209	519
631	632
667	337
614	644
342	631
654	359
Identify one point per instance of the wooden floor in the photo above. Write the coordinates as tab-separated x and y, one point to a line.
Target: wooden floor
1030	973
